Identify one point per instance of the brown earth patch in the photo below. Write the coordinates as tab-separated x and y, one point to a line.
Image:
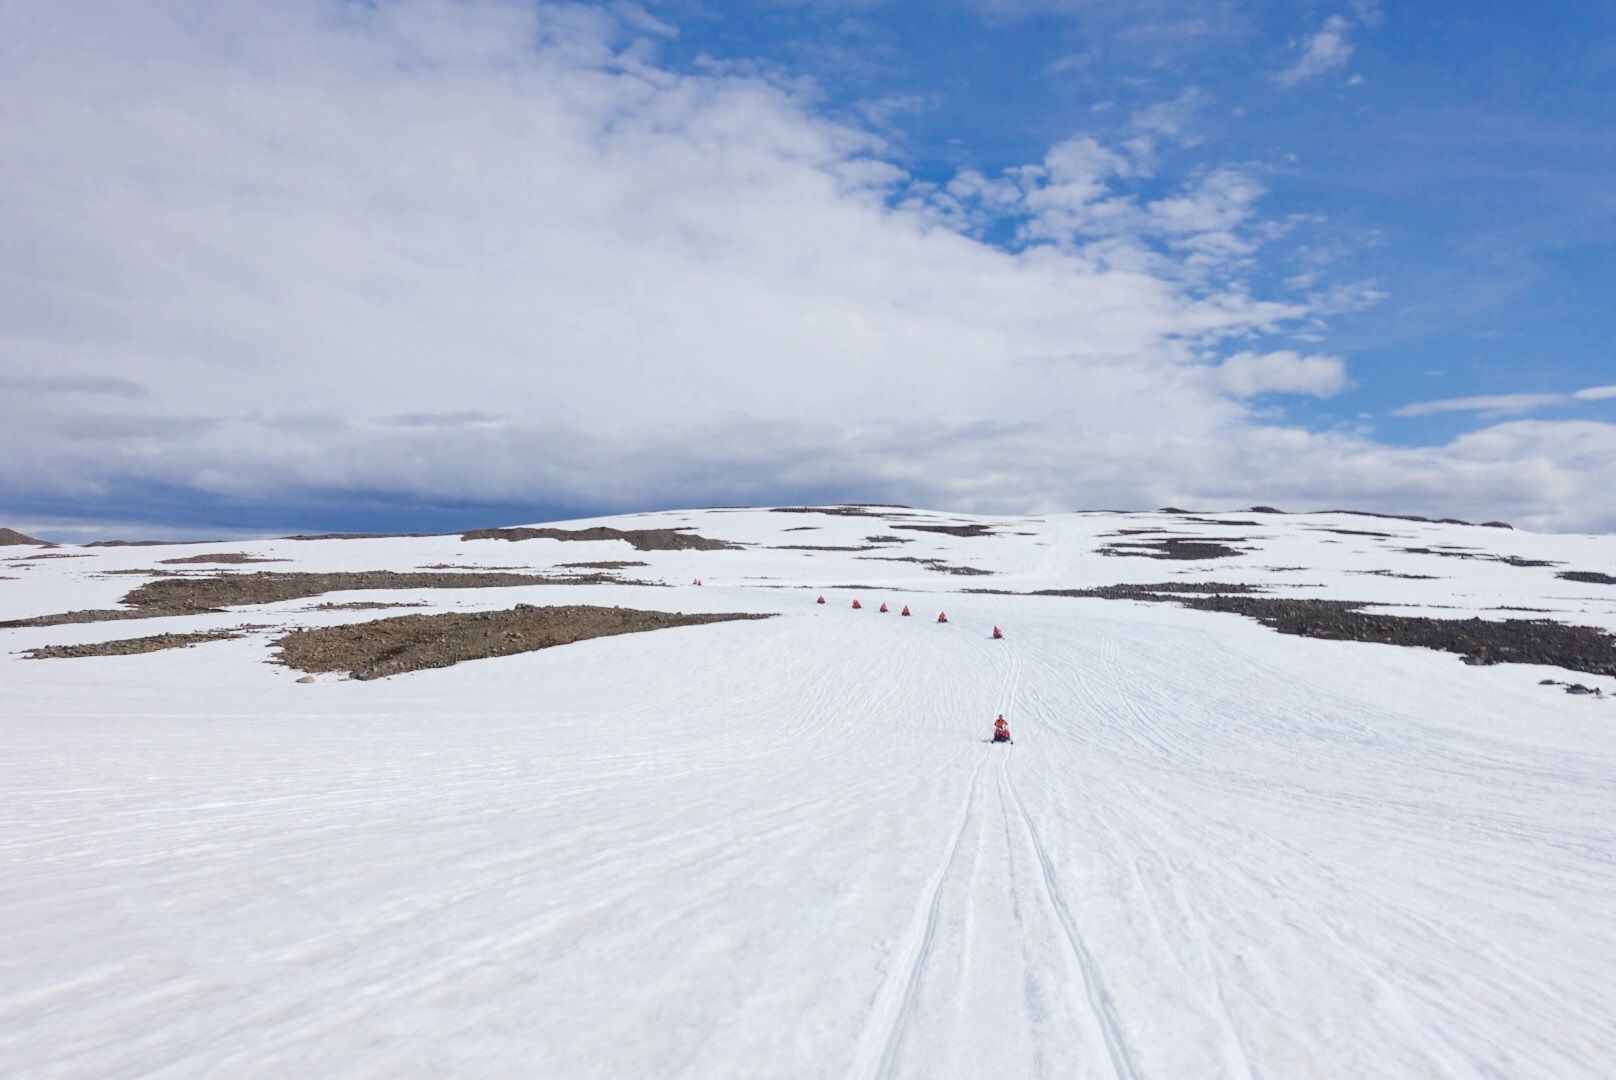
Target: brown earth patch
469	566
373	650
13	538
50	555
949	530
175	596
135	646
151	543
604	564
639	539
232	558
366	605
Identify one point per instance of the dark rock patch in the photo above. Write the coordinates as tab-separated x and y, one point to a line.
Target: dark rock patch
1352	532
949	530
50	555
1172	548
13	538
939	565
802	528
639	539
234	558
393	646
168	597
1587	577
366	605
1265	510
604	564
473	566
832	511
364	536
1476	641
1573	687
1216	521
135	646
887	539
822	547
1448	551
1394	574
151	543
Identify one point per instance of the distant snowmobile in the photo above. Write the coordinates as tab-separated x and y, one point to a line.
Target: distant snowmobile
1001	731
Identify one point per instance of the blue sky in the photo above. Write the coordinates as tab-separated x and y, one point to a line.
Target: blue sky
1459	158
425	263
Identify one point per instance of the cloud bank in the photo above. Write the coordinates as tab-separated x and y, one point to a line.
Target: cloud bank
499	251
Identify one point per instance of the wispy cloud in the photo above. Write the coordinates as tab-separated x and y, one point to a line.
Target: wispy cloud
1326	50
1505	404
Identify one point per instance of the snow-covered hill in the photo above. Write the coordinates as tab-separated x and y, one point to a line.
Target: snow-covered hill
784	847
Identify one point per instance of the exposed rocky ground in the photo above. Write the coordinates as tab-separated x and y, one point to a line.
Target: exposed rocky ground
227	558
1587	577
171	596
1172	548
639	539
373	650
941	566
133	646
949	530
13	538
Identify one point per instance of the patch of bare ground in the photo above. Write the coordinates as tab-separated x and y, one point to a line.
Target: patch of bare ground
639	539
802	528
1587	577
394	646
176	596
833	511
1352	532
604	564
50	555
938	565
949	530
1173	548
1476	641
135	646
364	536
822	547
13	538
366	605
152	543
1394	574
468	566
228	558
1448	551
888	539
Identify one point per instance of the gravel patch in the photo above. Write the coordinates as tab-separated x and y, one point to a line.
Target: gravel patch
394	646
639	539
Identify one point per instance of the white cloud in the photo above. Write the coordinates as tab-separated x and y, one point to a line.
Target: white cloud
1505	404
495	251
1325	51
1284	372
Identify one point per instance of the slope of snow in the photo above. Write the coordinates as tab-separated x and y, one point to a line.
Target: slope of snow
784	848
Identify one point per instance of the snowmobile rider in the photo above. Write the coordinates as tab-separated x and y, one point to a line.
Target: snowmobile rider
1001	730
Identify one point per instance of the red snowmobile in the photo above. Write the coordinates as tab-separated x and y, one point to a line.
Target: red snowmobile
1001	731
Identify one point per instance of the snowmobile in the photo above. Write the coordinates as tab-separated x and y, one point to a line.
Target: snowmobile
1001	731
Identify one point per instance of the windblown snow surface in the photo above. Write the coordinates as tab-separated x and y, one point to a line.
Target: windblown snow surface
785	848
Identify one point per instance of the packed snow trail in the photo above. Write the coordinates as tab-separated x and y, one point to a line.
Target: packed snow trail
786	848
